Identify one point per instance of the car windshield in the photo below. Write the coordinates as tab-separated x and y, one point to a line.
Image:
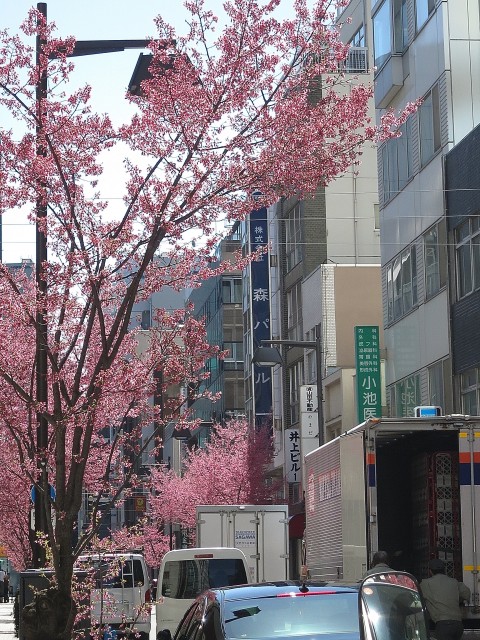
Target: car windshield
310	615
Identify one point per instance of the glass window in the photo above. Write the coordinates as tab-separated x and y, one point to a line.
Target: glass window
390	30
468	257
294	307
401	277
397	288
400	25
390	315
382	34
423	9
234	359
407	396
429	125
358	39
232	290
469	392
293	237
435	385
397	162
295	381
432	262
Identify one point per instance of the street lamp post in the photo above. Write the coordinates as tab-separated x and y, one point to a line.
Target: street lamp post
82	48
269	356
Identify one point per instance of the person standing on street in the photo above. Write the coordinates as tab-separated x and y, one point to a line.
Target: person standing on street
380	562
6	588
2	577
443	597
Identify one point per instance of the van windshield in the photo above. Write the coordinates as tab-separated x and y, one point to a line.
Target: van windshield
188	578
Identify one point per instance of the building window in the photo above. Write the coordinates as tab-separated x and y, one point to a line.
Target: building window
469	391
232	290
405	396
234	359
294	307
429	126
376	216
390	34
435	385
295	382
423	9
397	161
402	284
468	256
358	39
432	262
293	237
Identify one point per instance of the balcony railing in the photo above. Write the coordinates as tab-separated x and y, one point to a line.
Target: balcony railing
355	62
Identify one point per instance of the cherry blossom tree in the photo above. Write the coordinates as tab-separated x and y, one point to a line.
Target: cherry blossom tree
230	469
227	111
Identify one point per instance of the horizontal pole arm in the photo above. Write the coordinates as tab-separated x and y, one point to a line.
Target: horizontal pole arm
94	47
306	344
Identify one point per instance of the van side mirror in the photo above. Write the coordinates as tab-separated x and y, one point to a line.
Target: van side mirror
164	634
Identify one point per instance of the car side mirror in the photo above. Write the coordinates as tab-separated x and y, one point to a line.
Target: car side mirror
391	607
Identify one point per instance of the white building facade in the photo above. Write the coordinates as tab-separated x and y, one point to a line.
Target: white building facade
425	49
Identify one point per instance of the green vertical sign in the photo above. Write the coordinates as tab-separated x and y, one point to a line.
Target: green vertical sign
367	364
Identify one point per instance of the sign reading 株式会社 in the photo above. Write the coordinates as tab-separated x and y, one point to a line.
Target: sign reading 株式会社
367	364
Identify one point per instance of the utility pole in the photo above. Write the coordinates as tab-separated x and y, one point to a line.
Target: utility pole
41	491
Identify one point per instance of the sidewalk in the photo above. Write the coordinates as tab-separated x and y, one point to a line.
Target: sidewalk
7	628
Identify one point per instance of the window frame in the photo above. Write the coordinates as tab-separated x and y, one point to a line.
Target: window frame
471	390
294	312
235	290
235	358
429	5
436	369
433	270
394	35
295	381
358	38
396	153
402	284
396	392
293	237
429	129
467	244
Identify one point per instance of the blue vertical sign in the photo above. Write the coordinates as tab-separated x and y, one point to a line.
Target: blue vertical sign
262	376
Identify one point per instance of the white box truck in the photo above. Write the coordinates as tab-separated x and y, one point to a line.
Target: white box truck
260	531
406	486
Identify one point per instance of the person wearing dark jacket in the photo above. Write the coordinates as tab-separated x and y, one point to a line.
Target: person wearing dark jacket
380	562
443	596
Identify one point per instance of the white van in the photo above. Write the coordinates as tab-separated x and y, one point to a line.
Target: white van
120	599
185	573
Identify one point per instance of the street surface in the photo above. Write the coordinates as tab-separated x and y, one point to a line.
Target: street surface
7	628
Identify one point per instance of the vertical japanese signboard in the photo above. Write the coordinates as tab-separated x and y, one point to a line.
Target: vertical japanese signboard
260	313
367	363
293	455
